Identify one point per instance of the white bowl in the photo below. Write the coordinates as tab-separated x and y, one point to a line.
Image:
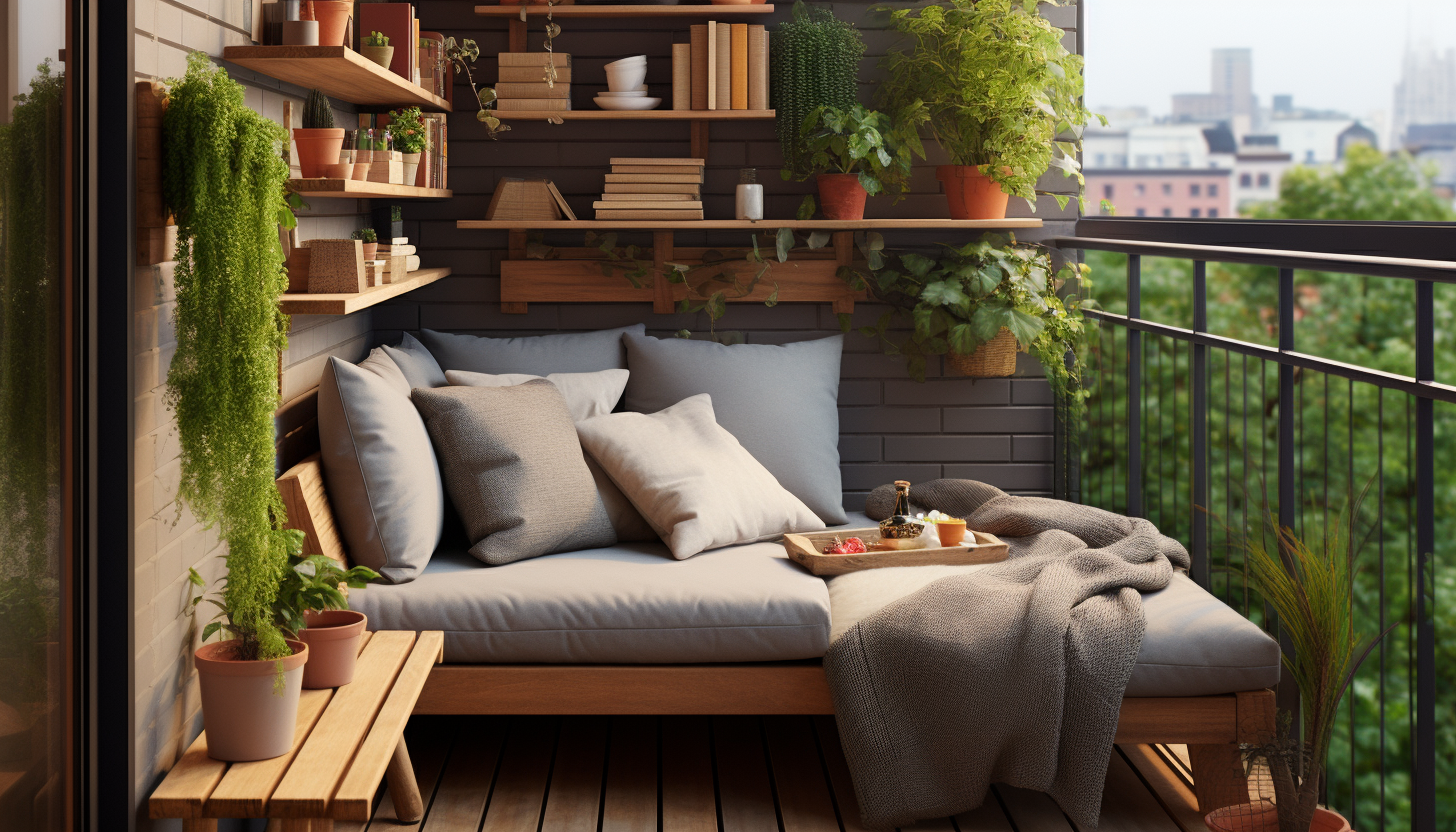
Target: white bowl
627	103
629	94
626	79
635	59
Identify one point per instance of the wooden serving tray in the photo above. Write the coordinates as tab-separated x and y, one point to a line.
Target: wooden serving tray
804	549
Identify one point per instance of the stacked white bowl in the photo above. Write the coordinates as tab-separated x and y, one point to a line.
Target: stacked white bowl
626	86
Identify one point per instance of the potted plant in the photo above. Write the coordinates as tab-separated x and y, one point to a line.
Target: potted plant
814	61
318	141
333	19
853	153
407	126
312	606
369	240
224	182
377	49
1000	89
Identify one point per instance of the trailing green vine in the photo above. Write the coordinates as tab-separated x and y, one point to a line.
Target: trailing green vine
223	180
815	63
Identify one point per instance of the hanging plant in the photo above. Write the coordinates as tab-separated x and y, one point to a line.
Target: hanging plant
223	180
815	63
462	54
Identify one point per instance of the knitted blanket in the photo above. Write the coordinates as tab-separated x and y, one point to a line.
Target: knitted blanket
1013	674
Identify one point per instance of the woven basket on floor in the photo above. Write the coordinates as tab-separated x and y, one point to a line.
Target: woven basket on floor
994	359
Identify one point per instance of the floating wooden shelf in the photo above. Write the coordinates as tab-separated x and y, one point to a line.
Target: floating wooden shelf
695	10
298	303
337	70
634	115
357	189
746	225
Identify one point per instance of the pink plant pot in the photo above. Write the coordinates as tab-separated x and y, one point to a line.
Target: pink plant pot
332	637
244	716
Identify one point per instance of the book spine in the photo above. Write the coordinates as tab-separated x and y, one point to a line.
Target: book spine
739	41
698	35
541	90
658	198
649	160
682	76
649	215
725	67
646	205
714	56
757	68
649	188
562	59
679	169
517	104
532	74
656	178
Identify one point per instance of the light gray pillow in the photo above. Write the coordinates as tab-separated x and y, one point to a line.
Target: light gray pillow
379	468
781	402
691	479
586	394
416	363
514	470
567	352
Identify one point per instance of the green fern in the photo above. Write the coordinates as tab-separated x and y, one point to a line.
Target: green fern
815	58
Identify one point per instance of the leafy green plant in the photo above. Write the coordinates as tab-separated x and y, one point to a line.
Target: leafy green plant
815	63
366	235
396	213
312	584
223	179
317	114
407	126
1001	89
857	140
462	54
376	39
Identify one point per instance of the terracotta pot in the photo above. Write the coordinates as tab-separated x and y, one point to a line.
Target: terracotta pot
1328	820
342	170
333	19
318	147
950	534
244	717
841	197
332	637
972	196
411	167
1244	817
370	249
381	55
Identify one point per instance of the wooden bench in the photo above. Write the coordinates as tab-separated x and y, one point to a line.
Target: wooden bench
348	739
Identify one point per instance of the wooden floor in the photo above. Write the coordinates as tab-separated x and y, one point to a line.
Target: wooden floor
699	774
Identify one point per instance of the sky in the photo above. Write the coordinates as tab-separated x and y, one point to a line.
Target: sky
1330	54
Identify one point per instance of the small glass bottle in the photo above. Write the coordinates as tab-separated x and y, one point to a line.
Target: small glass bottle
749	202
902	525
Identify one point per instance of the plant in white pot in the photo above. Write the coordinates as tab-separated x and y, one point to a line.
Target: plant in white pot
224	179
407	127
314	607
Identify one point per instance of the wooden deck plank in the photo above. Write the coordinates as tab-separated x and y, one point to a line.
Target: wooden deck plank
744	794
309	786
805	801
470	769
689	802
630	801
189	784
839	780
931	825
575	800
1033	811
525	768
988	817
1175	796
355	796
1134	808
245	789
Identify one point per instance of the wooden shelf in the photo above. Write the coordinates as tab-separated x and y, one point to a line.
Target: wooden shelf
358	189
634	115
337	70
694	10
746	225
298	303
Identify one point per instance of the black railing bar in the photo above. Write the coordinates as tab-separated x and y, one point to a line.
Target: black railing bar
1439	271
1391	381
1135	395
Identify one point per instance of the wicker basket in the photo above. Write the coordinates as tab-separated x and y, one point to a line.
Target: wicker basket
994	359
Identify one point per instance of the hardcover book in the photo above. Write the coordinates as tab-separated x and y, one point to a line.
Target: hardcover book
724	88
738	93
698	35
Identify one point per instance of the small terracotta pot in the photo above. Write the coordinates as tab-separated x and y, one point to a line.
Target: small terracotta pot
341	170
971	194
1328	820
370	249
381	55
333	19
318	147
244	717
841	197
333	640
950	533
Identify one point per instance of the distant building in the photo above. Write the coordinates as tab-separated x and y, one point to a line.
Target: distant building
1434	147
1256	162
1312	141
1148	146
1231	90
1426	93
1168	192
1356	133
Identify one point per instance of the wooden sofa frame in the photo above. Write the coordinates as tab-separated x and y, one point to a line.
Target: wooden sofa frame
1213	727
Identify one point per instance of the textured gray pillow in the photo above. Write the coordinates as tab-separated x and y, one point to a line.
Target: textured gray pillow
567	352
586	394
514	470
781	402
380	469
416	363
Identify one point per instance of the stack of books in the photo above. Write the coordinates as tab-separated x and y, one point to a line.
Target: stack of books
392	263
523	84
652	189
725	67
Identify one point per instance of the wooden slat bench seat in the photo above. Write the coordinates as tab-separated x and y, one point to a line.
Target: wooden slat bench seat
348	739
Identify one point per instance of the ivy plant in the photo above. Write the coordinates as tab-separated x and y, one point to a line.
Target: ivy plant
814	61
858	140
462	54
1002	91
223	180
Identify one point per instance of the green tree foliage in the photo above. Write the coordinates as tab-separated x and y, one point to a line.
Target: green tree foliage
223	180
815	63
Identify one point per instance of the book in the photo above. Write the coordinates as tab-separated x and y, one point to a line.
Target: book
738	92
698	37
563	60
516	104
693	170
524	199
723	90
647	205
389	250
533	74
656	178
757	68
682	76
395	21
653	160
512	90
411	263
398	241
648	188
649	215
647	197
560	200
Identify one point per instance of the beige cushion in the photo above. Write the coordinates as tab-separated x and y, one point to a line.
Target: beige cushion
695	484
514	470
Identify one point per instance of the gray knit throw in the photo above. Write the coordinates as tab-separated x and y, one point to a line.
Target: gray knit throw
1013	674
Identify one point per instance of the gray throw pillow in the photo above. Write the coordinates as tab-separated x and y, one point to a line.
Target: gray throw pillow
379	468
567	352
514	470
416	363
781	402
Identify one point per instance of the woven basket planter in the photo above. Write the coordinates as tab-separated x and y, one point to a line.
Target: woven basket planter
994	359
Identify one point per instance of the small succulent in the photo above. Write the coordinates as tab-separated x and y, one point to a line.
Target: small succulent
376	39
